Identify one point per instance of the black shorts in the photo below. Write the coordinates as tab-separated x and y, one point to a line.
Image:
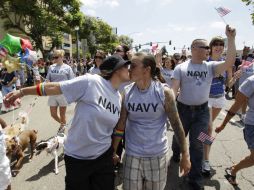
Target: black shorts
97	174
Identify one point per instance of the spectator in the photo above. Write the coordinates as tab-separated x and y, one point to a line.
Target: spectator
98	59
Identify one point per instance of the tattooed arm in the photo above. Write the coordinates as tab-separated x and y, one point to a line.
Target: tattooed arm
120	126
171	110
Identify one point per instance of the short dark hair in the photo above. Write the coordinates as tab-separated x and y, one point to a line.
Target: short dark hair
125	50
197	40
215	40
148	60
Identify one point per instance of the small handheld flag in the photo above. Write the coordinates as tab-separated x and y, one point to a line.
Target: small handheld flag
246	64
206	139
222	12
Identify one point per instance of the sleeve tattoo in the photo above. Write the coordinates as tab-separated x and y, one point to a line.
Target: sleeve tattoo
172	113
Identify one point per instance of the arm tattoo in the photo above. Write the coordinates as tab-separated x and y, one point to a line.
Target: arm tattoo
172	112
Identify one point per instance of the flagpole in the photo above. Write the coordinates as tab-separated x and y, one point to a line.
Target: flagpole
223	20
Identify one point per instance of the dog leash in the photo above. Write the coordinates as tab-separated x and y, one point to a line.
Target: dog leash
31	105
28	111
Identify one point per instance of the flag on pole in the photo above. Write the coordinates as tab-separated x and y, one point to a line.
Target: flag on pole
246	64
154	48
206	139
222	11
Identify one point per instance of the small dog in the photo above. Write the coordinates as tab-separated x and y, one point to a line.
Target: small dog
15	129
17	145
52	145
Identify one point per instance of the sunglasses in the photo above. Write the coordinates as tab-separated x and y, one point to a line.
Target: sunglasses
98	57
55	57
218	44
203	47
118	50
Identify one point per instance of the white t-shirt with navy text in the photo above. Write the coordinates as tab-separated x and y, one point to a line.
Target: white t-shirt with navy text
195	81
96	114
167	75
57	73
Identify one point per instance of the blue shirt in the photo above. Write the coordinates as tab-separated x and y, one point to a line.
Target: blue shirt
217	86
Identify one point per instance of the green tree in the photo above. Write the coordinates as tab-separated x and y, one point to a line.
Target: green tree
99	35
38	18
123	39
250	3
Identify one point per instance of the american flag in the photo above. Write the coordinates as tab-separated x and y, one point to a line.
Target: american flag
206	139
154	48
222	11
246	64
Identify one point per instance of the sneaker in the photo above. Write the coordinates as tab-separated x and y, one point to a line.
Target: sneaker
61	129
206	168
176	158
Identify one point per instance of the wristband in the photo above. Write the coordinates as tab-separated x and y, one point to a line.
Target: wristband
38	91
118	133
43	89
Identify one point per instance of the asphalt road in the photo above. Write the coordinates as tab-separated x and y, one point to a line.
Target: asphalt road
228	148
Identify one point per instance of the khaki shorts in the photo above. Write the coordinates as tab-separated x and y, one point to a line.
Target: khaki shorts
58	100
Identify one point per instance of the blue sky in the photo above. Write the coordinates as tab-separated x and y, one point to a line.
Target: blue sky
178	20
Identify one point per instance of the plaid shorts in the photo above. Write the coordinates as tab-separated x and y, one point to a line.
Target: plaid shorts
145	173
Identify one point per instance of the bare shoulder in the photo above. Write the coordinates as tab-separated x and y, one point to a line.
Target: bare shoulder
169	93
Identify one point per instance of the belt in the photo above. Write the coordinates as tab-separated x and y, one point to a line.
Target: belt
196	107
216	96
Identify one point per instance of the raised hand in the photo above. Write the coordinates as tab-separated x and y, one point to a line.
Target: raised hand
230	32
158	58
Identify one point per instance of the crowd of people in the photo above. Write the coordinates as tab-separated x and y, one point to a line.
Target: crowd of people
127	100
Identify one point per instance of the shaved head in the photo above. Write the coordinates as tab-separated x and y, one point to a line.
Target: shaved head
198	41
